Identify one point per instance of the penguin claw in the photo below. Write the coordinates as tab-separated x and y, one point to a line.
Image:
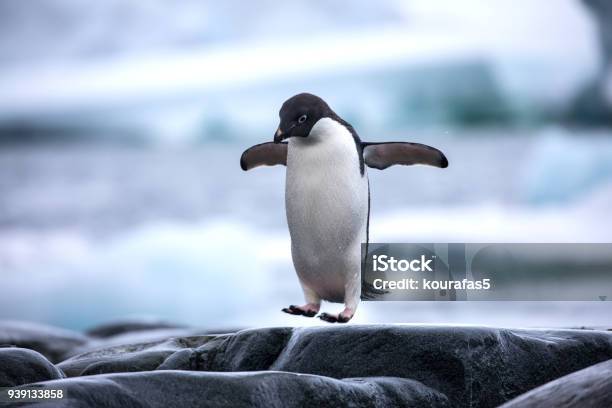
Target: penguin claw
327	318
297	311
343	319
330	318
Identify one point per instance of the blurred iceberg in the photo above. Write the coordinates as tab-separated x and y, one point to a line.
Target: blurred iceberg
90	234
216	271
208	73
161	220
562	167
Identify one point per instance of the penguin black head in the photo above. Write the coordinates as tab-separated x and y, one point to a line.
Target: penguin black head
299	114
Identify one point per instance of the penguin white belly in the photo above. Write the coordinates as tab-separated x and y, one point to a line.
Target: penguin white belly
326	199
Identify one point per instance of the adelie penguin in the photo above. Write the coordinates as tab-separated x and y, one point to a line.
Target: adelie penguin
327	197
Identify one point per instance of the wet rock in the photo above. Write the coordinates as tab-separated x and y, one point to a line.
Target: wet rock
250	350
247	350
256	389
472	366
128	357
22	366
150	335
52	342
137	337
588	388
129	326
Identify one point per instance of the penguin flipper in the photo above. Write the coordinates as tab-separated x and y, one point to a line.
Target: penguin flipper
386	154
264	154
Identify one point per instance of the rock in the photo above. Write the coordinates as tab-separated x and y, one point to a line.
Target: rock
588	388
247	350
256	389
52	342
472	366
137	337
22	366
146	332
252	350
128	357
129	326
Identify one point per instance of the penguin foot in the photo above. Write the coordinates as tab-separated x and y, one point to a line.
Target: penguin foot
307	310
334	318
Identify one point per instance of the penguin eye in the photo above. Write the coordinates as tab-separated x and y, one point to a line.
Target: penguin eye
302	119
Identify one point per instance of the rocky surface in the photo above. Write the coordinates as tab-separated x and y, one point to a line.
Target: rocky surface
129	326
129	357
588	388
52	342
472	366
258	389
23	366
372	365
137	337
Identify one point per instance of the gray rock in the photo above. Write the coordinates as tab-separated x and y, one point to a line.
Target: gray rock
472	366
182	389
247	350
52	342
129	357
588	388
140	336
251	350
129	326
476	367
137	337
22	366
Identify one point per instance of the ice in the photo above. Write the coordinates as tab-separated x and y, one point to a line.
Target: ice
564	167
179	271
232	271
227	79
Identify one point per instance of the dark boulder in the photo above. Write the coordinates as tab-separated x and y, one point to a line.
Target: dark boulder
129	326
22	366
476	367
136	337
247	350
182	389
128	357
52	342
588	388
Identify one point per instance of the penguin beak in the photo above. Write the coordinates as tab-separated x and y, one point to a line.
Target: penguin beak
279	136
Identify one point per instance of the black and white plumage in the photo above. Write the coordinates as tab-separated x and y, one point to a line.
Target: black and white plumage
327	197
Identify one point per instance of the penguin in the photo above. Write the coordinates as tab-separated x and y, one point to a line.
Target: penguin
327	198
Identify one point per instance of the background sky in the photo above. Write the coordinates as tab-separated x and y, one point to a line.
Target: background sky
122	123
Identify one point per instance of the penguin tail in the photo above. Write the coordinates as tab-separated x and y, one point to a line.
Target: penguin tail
369	292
